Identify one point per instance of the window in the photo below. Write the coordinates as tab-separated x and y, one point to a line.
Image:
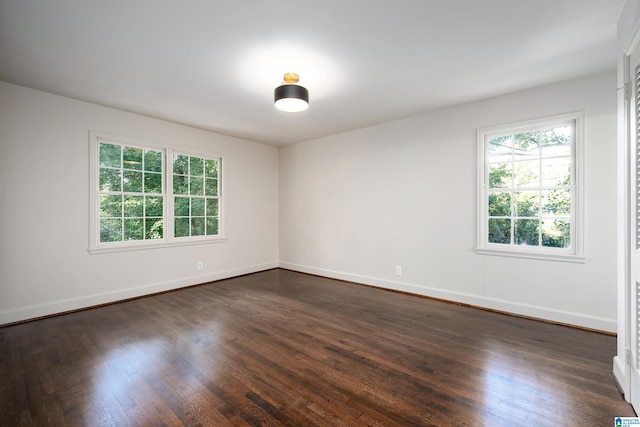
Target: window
195	189
529	202
146	196
131	197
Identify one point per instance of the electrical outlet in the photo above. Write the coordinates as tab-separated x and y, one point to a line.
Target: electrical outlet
398	270
200	265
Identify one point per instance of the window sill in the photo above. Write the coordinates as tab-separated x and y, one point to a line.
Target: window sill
159	245
533	255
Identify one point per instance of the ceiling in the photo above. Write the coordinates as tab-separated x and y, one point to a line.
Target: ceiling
214	64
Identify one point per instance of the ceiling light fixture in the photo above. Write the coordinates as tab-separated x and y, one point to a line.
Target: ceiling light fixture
291	97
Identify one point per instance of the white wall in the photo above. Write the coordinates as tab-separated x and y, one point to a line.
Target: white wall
351	206
44	208
355	205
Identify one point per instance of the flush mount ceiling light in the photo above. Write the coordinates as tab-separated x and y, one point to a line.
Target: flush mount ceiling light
291	97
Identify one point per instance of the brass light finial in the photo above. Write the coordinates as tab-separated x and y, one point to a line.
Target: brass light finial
291	78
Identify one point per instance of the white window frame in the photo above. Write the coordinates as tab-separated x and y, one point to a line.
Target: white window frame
168	240
575	253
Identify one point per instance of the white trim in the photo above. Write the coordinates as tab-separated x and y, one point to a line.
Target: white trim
135	246
61	306
532	255
622	377
533	311
578	237
635	39
621	367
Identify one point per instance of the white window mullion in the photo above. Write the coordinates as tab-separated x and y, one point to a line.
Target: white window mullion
169	204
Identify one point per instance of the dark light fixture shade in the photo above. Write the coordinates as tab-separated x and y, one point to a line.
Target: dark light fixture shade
291	98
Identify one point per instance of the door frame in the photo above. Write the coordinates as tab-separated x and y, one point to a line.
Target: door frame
627	362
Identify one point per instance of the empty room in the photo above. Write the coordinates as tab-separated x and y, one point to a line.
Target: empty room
351	213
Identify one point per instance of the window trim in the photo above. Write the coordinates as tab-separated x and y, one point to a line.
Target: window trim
576	252
168	240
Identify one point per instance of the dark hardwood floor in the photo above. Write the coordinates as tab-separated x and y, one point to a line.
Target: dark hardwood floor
282	348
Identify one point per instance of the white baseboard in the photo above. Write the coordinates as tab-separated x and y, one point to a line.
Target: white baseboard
61	306
620	373
544	313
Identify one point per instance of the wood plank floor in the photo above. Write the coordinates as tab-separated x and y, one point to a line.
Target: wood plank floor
280	348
